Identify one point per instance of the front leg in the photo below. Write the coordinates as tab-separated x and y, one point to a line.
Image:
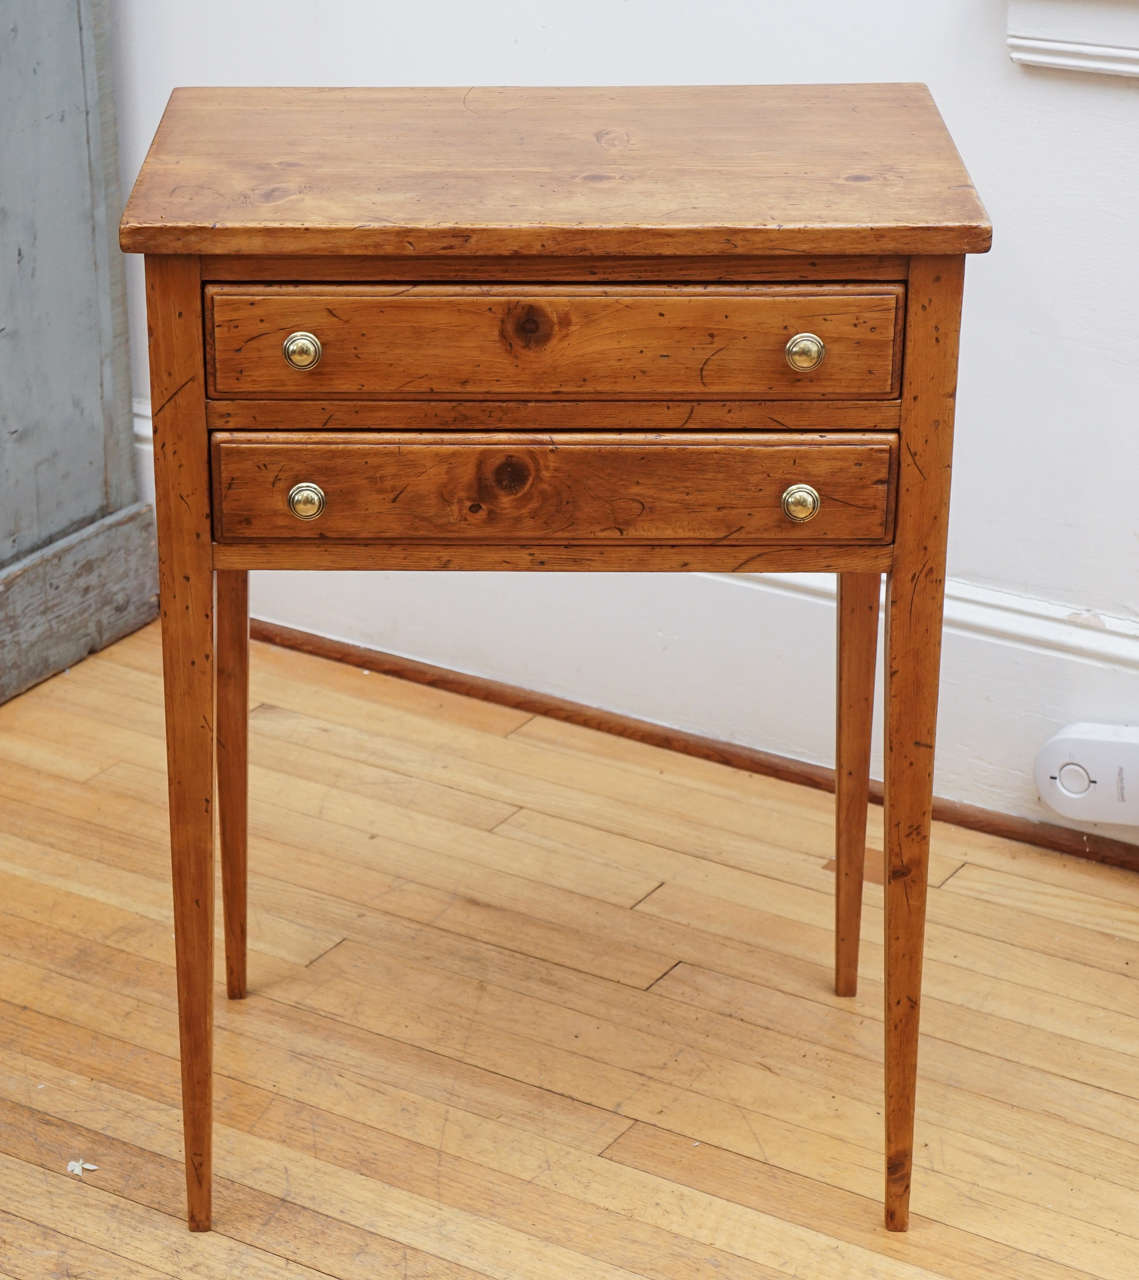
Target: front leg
186	595
913	643
914	593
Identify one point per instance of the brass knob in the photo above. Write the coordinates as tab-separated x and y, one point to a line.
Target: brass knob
801	503
302	350
306	500
805	351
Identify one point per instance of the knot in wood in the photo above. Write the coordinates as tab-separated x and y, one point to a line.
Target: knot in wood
512	475
531	326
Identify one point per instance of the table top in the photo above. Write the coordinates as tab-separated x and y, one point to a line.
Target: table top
703	170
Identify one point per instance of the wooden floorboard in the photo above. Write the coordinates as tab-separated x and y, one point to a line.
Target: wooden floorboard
528	1000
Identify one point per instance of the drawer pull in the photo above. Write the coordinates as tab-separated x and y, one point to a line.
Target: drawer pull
306	501
302	350
801	503
804	352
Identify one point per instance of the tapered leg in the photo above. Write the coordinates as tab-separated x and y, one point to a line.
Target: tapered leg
233	765
186	594
187	643
914	594
913	631
858	596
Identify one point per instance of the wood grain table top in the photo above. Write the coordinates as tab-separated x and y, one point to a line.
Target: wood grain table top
713	170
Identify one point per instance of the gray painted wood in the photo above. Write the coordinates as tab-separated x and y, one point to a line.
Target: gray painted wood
75	596
65	434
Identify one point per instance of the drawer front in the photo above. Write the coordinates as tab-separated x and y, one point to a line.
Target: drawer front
527	488
694	342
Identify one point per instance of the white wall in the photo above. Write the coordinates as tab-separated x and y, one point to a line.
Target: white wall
1043	606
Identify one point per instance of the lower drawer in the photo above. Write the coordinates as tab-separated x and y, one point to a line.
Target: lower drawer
531	488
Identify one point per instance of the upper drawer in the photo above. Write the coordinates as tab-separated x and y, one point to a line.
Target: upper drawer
655	342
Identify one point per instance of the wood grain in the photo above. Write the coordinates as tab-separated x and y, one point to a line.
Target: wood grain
915	590
791	557
546	267
533	489
462	1091
186	605
315	1245
677	188
711	170
856	649
684	342
702	750
553	415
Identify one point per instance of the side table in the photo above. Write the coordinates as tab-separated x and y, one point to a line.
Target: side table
661	329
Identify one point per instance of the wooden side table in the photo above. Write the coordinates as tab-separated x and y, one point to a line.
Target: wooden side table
541	329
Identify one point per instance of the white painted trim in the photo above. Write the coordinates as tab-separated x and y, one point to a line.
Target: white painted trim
1100	36
1068	55
1043	625
992	614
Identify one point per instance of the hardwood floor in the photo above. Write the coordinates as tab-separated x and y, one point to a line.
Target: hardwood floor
528	1001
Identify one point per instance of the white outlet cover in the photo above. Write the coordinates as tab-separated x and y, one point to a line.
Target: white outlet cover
1091	772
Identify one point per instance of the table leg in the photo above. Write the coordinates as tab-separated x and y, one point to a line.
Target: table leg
187	643
186	596
915	588
858	597
913	629
233	766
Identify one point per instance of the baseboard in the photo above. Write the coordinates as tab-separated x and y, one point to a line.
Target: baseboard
75	596
1094	847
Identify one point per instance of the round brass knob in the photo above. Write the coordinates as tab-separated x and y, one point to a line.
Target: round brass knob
306	500
805	351
801	503
302	350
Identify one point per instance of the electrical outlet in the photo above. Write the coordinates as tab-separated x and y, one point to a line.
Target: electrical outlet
1091	772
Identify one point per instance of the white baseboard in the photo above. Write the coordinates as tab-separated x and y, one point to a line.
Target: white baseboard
746	659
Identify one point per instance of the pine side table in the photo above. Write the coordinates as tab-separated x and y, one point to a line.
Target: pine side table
707	329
